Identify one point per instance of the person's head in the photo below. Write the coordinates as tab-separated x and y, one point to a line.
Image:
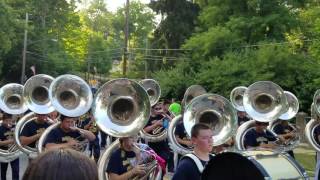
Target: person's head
201	137
127	143
41	118
67	122
241	114
62	164
7	120
157	109
261	126
284	123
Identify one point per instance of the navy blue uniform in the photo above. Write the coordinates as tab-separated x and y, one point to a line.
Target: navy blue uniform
316	134
5	134
121	161
94	146
187	169
58	136
254	139
33	128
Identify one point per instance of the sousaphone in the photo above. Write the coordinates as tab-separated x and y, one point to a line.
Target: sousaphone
71	96
314	122
11	102
121	108
293	108
36	98
236	97
153	90
263	101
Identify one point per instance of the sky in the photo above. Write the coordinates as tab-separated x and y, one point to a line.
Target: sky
112	5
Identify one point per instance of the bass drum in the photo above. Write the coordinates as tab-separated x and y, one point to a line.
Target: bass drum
253	165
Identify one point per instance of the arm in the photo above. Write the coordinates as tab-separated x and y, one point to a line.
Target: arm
6	142
150	128
138	170
184	142
87	134
71	143
28	140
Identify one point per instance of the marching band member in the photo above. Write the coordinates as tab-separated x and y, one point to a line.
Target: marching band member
259	137
61	164
6	139
316	136
122	164
286	132
67	135
94	146
191	165
242	117
158	119
33	130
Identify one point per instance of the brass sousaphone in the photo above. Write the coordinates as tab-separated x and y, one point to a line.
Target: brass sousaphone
263	101
71	96
153	90
192	92
236	97
293	108
36	98
314	122
11	102
121	108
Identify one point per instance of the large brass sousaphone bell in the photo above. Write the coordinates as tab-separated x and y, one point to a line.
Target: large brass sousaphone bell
153	89
11	99
236	97
265	101
121	108
215	111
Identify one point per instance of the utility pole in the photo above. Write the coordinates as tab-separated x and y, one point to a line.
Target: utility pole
146	61
126	39
24	52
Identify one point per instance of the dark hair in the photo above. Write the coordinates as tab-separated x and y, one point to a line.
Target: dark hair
197	127
63	117
62	164
6	116
230	166
261	123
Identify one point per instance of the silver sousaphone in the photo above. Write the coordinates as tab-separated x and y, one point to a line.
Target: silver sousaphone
36	98
263	101
314	122
121	108
11	102
153	90
236	97
215	111
192	92
293	109
71	96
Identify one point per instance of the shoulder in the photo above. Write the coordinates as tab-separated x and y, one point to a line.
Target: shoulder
187	162
116	154
251	132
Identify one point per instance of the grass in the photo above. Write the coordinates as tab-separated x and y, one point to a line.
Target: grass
307	161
